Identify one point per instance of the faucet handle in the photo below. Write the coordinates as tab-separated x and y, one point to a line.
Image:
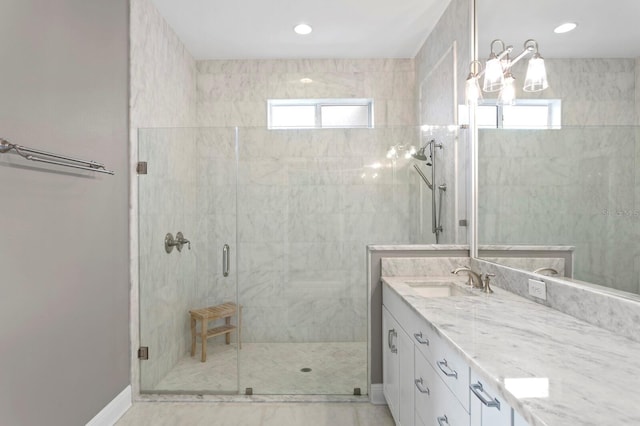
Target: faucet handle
181	240
486	281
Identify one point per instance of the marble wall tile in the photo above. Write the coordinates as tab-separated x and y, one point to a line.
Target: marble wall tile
157	99
445	54
421	266
567	197
596	305
234	93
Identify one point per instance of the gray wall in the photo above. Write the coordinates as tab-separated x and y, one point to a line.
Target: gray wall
64	335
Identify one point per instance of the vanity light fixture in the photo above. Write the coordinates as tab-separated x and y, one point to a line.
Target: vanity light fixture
507	95
565	28
536	77
303	29
472	91
498	77
493	69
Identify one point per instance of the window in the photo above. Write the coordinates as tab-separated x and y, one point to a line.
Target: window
320	113
525	114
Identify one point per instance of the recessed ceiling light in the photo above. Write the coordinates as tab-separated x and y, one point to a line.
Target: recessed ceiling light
302	29
306	80
565	28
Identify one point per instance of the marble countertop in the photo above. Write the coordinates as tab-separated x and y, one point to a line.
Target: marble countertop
582	374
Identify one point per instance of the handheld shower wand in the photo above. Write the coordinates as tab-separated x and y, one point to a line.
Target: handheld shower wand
436	219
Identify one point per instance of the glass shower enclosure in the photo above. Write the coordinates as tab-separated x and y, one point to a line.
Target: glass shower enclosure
295	210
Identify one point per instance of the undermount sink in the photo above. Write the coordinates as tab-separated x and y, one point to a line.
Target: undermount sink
438	289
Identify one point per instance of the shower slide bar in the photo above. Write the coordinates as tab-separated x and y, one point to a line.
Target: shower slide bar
51	158
436	219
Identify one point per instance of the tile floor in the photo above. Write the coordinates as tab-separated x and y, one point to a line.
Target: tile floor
272	368
258	414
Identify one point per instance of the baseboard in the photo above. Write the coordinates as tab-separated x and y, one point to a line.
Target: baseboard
376	395
110	414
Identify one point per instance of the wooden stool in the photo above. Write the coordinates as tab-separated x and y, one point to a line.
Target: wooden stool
212	313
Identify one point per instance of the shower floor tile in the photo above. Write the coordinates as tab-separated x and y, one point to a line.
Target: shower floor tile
336	368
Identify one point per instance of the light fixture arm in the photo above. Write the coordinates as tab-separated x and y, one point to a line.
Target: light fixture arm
529	46
504	52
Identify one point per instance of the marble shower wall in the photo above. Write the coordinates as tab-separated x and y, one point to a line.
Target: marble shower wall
442	66
235	92
163	94
307	200
573	186
167	203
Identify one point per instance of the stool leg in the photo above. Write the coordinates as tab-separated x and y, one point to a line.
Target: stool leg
203	336
227	335
193	336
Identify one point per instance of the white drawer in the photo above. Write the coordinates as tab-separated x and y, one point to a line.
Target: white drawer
453	371
435	404
425	387
448	410
416	327
425	339
487	404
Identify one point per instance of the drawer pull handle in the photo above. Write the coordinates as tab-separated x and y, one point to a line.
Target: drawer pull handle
420	339
478	391
421	387
443	420
390	335
449	372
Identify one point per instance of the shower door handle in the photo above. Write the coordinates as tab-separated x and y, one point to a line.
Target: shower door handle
225	260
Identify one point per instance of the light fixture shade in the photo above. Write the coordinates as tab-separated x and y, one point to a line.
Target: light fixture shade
472	92
507	95
493	75
536	78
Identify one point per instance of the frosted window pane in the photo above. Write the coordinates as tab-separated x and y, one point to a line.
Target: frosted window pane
525	117
345	115
293	116
487	116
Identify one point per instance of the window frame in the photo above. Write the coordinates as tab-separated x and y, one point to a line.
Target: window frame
554	113
318	104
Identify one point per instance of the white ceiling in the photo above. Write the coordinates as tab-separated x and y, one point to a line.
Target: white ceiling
606	28
252	29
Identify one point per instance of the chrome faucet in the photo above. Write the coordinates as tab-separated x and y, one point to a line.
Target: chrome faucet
474	279
487	283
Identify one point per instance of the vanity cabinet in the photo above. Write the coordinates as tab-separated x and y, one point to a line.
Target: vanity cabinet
435	404
444	391
416	393
397	360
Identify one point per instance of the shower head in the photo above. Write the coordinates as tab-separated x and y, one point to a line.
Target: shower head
419	155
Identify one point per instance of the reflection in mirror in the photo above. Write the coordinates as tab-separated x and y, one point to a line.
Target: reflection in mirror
576	183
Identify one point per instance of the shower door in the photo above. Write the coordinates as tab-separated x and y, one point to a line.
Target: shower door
188	187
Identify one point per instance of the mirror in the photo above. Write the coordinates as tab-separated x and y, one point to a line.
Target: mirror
577	182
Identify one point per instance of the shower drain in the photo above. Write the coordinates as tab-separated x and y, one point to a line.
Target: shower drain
305	370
